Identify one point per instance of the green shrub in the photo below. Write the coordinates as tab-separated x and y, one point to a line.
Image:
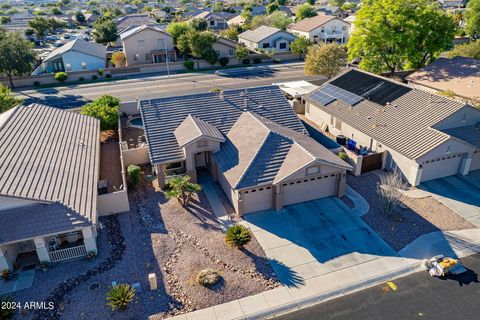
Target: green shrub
257	60
6	274
223	61
94	77
61	76
208	277
238	236
133	175
342	155
36	83
108	75
104	108
6	313
188	65
81	79
246	61
120	296
100	72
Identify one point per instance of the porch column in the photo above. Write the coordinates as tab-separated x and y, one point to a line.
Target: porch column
277	198
342	184
161	175
42	250
89	240
418	176
5	263
465	165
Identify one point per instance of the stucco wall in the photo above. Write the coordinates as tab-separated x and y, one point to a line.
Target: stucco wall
132	45
135	156
192	148
466	116
75	59
329	27
111	203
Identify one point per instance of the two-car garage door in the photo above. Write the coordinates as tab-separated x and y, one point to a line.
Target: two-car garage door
309	189
441	167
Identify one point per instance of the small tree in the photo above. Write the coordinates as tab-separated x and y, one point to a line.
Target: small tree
305	11
468	50
199	24
223	61
119	59
238	236
389	192
79	16
7	100
300	46
325	59
105	30
181	188
472	16
241	52
133	175
189	64
231	33
105	109
271	7
61	76
120	296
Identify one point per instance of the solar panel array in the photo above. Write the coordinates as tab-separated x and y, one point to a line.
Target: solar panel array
341	94
321	97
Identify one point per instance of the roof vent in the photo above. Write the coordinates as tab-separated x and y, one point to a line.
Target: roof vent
221	95
388	104
395	105
81	143
369	118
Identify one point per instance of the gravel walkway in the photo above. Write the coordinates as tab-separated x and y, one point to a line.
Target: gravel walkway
419	217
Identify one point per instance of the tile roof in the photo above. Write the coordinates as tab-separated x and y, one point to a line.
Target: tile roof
133	30
259	151
47	154
221	109
79	45
38	219
259	33
133	20
459	74
396	115
193	128
312	23
469	134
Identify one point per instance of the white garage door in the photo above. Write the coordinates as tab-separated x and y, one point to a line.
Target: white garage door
257	199
441	167
475	165
309	189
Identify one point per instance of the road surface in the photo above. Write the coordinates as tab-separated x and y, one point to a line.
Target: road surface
417	296
163	86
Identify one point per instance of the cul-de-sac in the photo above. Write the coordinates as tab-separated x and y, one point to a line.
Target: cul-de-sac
224	160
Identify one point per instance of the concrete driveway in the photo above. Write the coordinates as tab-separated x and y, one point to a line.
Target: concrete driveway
314	238
459	193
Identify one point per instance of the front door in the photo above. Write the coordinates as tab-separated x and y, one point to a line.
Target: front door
200	160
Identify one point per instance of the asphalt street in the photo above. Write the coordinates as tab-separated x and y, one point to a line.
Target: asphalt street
417	296
163	86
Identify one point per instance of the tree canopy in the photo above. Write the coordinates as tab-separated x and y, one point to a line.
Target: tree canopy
305	11
300	46
399	34
41	25
16	55
105	109
231	32
199	24
325	59
79	16
473	18
176	29
277	19
7	100
104	30
198	44
468	50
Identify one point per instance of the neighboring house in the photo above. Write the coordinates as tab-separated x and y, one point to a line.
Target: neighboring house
458	75
147	44
130	8
267	38
48	185
133	20
249	140
225	47
350	20
452	3
76	55
322	28
331	11
423	135
215	21
237	20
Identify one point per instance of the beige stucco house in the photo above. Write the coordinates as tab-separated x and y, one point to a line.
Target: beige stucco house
322	28
225	47
48	185
147	44
249	140
423	135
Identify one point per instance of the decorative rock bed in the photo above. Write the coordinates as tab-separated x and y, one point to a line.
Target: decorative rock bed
58	294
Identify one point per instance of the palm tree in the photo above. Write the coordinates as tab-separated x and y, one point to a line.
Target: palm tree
181	188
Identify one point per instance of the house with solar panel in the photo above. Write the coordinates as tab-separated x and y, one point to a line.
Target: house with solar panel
423	135
249	140
49	169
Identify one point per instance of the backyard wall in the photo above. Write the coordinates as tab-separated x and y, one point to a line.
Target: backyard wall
112	203
136	156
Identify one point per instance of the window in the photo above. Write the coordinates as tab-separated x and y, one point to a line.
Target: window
135	57
266	45
202	143
231	52
141	43
160	43
68	67
84	65
174	165
283	45
322	29
212	23
344	28
313	170
217	52
148	57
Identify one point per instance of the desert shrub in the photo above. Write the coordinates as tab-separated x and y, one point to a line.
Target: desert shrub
208	277
133	175
100	72
342	155
223	61
36	83
61	76
120	296
188	65
246	61
257	60
238	236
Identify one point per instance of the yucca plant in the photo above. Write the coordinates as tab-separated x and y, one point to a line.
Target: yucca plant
238	236
120	296
6	313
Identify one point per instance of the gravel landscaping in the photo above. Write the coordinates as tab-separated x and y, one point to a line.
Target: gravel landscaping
161	237
417	217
